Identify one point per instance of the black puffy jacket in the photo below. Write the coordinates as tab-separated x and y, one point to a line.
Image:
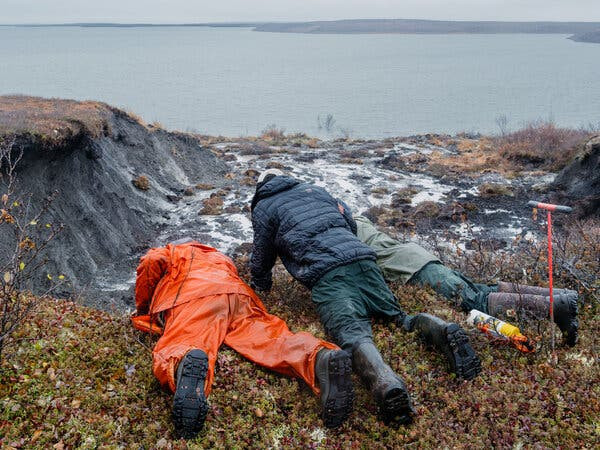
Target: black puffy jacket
307	228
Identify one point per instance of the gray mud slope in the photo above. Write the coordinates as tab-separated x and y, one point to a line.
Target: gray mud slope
107	221
578	184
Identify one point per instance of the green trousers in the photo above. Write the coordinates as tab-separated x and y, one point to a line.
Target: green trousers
454	286
348	297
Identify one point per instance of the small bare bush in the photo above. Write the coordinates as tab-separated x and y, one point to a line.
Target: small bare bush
327	123
273	133
25	236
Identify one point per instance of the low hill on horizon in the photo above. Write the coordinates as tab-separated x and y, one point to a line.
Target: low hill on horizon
416	26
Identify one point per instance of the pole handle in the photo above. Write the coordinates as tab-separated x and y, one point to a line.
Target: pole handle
550	207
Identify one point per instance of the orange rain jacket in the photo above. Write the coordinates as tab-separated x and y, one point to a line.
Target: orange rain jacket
205	303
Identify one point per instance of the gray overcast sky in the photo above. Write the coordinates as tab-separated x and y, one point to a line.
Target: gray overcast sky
169	11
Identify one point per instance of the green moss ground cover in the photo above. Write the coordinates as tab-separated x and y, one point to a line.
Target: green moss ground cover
81	378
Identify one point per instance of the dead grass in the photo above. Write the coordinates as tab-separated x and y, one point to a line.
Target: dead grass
52	121
273	134
541	144
142	183
538	146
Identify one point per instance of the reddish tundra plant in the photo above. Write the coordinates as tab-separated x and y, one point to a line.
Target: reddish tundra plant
25	236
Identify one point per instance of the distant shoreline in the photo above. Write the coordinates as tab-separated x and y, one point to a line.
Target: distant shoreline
577	31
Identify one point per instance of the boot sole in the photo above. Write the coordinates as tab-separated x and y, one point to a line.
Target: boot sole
338	405
466	363
189	403
396	407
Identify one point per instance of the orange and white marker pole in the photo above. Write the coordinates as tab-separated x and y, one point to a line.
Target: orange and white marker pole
549	208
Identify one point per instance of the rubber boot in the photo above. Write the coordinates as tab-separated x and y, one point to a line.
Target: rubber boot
565	310
516	288
189	403
388	389
333	369
448	338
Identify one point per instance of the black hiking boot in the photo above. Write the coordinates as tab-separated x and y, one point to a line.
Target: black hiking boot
333	370
565	316
450	339
388	389
189	403
538	307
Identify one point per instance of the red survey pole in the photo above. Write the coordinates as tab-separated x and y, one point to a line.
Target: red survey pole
549	208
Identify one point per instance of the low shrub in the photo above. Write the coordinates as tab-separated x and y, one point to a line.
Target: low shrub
541	144
273	133
142	183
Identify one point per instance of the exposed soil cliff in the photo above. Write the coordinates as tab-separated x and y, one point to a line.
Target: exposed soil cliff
91	154
578	184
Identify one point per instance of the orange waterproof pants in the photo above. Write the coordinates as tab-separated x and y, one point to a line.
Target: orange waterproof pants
242	323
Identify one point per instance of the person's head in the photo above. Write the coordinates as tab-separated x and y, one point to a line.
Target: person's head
268	174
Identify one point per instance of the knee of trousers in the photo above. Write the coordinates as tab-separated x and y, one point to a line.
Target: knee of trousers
349	335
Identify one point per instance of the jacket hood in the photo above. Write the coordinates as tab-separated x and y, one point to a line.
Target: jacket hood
271	187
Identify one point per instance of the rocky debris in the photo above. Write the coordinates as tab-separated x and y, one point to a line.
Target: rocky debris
487	190
351	161
578	184
275	165
212	205
403	196
406	196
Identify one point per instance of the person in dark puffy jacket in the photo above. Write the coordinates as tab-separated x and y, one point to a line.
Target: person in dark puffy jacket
314	235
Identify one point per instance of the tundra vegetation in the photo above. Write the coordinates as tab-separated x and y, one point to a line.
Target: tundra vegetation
77	377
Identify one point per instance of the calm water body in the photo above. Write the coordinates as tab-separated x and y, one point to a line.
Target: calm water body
236	82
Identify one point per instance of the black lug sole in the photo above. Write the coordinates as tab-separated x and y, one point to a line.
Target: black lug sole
189	403
464	360
396	408
338	404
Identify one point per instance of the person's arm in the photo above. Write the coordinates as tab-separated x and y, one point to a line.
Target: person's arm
264	253
151	269
347	213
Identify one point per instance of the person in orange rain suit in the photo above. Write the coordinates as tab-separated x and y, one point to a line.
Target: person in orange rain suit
196	292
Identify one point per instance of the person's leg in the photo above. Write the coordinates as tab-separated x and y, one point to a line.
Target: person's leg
184	358
345	316
517	288
341	308
454	286
266	340
531	306
199	324
448	338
